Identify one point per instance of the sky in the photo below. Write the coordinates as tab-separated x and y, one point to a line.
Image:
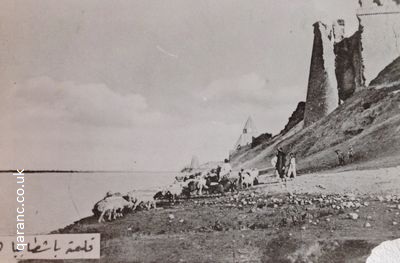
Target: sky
144	84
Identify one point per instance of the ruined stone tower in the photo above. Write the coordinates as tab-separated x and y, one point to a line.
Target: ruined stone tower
342	65
348	62
322	95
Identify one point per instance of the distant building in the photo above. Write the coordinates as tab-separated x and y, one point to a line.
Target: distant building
194	164
249	131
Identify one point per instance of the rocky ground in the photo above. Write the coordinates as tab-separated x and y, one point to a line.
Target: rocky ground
333	217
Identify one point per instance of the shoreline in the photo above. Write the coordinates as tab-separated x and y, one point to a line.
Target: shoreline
306	219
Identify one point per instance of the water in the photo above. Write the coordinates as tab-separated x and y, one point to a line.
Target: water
54	200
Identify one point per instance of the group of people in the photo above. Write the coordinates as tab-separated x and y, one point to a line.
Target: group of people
284	167
342	158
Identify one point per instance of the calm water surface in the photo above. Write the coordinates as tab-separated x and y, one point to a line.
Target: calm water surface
54	200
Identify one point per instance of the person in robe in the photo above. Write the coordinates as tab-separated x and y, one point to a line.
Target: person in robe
280	163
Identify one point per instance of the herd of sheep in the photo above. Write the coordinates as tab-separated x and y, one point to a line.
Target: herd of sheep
115	205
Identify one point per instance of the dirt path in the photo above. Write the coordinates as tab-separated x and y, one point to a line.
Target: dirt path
381	181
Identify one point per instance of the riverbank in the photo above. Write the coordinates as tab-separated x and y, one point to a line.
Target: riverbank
330	217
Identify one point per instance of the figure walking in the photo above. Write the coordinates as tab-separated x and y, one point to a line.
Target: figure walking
351	154
274	160
280	164
340	157
292	166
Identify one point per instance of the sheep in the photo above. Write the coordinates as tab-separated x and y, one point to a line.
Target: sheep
147	201
137	199
247	180
200	183
111	206
248	177
130	196
175	189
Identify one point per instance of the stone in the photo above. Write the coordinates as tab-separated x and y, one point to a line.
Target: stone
352	197
171	216
353	216
367	225
303	228
252	210
395	223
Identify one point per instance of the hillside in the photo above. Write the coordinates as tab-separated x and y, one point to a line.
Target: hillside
369	122
389	76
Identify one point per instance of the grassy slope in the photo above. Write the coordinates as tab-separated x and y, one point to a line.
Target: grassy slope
369	121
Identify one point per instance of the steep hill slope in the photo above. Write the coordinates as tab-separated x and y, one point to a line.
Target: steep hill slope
389	76
369	122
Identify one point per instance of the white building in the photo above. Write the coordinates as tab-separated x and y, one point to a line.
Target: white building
249	131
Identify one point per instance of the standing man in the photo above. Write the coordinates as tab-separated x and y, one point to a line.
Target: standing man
340	157
292	166
280	164
351	154
274	160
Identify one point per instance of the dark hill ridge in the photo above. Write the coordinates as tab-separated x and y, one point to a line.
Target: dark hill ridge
297	116
389	76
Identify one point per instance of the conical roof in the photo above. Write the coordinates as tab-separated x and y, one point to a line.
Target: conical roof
194	164
249	127
249	131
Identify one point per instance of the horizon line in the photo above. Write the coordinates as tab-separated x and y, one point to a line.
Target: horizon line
86	171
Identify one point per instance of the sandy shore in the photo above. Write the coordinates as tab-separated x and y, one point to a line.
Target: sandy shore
326	217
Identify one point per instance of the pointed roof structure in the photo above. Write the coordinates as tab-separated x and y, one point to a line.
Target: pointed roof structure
194	164
249	127
249	131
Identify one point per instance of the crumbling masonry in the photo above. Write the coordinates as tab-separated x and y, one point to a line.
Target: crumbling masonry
342	65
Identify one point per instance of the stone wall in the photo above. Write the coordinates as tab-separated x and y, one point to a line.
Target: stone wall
349	65
380	26
342	65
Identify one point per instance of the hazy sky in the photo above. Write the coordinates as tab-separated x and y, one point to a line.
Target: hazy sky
146	84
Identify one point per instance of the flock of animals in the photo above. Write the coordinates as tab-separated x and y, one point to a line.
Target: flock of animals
115	205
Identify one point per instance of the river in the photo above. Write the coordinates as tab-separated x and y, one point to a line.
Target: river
54	200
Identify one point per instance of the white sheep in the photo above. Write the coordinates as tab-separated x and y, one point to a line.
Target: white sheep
111	206
201	183
175	189
147	201
248	177
247	180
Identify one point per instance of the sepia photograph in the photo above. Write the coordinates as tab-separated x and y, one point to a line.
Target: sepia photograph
226	131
